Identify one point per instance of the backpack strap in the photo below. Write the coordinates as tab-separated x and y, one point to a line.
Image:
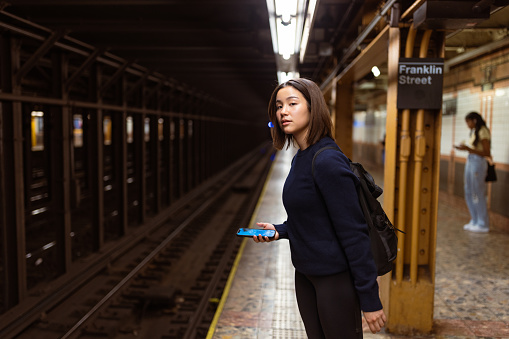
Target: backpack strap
360	173
320	151
362	188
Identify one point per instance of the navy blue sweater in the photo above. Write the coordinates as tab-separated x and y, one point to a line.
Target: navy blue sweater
326	227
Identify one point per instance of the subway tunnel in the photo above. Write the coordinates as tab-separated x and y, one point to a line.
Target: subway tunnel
117	117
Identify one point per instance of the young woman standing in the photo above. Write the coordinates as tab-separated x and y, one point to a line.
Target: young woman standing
335	275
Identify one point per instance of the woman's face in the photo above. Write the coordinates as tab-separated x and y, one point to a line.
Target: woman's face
471	123
292	113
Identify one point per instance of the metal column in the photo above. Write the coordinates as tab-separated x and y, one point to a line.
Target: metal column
411	193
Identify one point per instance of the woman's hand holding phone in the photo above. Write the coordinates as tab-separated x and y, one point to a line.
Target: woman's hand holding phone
265	226
462	146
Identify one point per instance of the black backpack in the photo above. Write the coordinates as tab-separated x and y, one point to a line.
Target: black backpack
384	241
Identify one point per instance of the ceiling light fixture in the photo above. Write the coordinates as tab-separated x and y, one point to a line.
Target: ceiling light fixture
284	77
310	16
375	71
286	21
286	13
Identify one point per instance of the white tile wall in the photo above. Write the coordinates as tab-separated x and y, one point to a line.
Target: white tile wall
454	128
494	109
500	126
447	142
369	127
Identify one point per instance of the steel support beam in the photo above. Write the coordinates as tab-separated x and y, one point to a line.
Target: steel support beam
18	195
139	151
60	145
100	105
118	73
344	116
411	196
354	46
90	59
122	162
155	162
96	163
41	51
12	207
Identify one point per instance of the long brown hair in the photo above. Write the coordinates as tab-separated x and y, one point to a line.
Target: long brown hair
320	123
479	122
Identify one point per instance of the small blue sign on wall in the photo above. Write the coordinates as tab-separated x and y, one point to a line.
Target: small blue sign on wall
420	83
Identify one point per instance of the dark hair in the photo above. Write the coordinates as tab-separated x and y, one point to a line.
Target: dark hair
479	122
320	123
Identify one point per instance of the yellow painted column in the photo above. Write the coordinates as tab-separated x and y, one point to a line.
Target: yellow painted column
391	144
344	104
411	193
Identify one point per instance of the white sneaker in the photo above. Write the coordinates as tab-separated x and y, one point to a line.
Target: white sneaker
468	226
478	229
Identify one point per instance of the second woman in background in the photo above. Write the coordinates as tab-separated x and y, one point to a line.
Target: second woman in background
478	148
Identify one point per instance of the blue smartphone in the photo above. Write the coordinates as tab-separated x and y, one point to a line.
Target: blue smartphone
250	232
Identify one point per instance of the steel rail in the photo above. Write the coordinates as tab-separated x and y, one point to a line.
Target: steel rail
140	266
12	323
147	260
194	322
211	287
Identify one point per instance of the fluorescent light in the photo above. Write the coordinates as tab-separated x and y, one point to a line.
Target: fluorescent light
285	76
286	20
286	17
286	39
307	28
286	11
375	71
499	92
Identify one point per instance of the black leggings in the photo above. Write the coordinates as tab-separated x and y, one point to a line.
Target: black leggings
329	306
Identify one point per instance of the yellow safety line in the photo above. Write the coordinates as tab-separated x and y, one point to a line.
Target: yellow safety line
229	282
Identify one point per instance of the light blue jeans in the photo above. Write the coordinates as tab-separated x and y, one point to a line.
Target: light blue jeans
475	190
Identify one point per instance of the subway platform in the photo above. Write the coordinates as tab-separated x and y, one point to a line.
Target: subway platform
471	286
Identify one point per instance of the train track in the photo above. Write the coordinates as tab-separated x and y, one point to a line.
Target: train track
168	282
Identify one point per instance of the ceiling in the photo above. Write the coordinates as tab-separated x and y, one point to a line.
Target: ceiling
219	47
